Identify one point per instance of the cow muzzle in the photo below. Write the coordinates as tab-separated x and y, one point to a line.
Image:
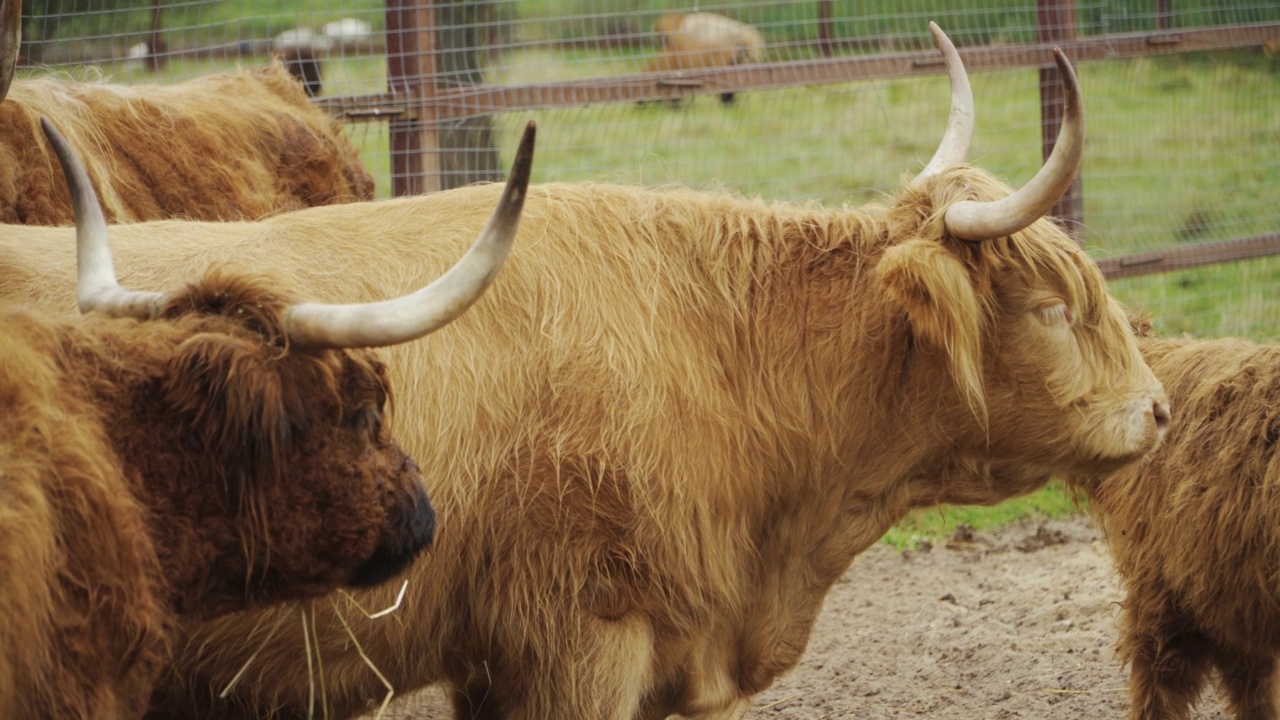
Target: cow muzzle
401	541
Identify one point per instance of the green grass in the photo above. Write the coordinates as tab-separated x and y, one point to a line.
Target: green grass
933	524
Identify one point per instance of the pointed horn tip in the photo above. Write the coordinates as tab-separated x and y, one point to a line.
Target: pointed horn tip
49	130
522	166
1068	73
939	37
61	148
528	138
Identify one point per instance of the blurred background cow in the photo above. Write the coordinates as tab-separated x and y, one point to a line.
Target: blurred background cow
704	40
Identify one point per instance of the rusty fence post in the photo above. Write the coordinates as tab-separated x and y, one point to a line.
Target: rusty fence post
411	72
1164	14
1056	22
824	28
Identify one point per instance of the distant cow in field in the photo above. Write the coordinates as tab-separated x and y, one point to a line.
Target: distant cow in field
231	146
671	426
172	458
1195	533
703	40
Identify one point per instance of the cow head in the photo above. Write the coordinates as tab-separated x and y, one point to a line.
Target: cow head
1044	373
264	423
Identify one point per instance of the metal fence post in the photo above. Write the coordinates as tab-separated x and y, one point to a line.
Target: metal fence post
1056	22
411	72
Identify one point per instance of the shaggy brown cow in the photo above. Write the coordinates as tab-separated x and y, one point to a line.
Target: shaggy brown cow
239	145
676	420
221	453
1195	532
702	40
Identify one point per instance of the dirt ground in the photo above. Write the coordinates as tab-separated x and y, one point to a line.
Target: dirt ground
1015	624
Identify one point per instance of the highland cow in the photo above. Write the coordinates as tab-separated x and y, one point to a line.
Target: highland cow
171	458
703	40
675	421
1195	533
231	146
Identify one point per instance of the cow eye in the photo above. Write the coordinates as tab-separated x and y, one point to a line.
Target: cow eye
1055	315
369	419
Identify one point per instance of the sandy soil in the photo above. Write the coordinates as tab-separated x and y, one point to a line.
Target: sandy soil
1015	624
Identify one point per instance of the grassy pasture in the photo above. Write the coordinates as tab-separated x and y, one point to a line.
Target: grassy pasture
1180	149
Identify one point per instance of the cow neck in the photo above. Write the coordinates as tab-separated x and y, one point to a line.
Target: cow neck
185	511
864	448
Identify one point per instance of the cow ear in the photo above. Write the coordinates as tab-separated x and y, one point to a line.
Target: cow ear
936	292
229	391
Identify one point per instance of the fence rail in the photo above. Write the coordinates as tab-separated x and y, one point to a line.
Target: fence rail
443	98
479	100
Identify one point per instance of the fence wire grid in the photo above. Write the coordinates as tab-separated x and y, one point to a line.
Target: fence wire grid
1183	147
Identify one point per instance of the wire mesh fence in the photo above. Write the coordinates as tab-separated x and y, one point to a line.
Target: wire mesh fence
831	100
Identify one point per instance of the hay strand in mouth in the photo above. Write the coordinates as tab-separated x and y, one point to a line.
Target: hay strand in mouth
311	673
270	634
387	611
315	636
391	691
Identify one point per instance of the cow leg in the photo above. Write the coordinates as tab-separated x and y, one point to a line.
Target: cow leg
1167	670
1250	684
600	670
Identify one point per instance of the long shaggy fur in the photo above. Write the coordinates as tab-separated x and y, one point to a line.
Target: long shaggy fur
239	145
82	627
1195	533
665	431
157	472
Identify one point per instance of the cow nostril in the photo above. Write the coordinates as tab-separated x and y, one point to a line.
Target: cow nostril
1161	413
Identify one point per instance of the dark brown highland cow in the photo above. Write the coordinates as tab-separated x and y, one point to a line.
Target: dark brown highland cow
216	449
1195	533
231	146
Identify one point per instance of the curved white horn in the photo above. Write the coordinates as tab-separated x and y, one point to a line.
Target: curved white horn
971	220
954	147
96	286
315	325
10	41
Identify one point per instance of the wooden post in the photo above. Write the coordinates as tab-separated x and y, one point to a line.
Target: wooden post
467	153
824	28
1056	22
1164	14
157	50
411	72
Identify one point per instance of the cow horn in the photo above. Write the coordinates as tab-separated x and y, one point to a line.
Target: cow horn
315	325
972	220
954	147
96	286
10	42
